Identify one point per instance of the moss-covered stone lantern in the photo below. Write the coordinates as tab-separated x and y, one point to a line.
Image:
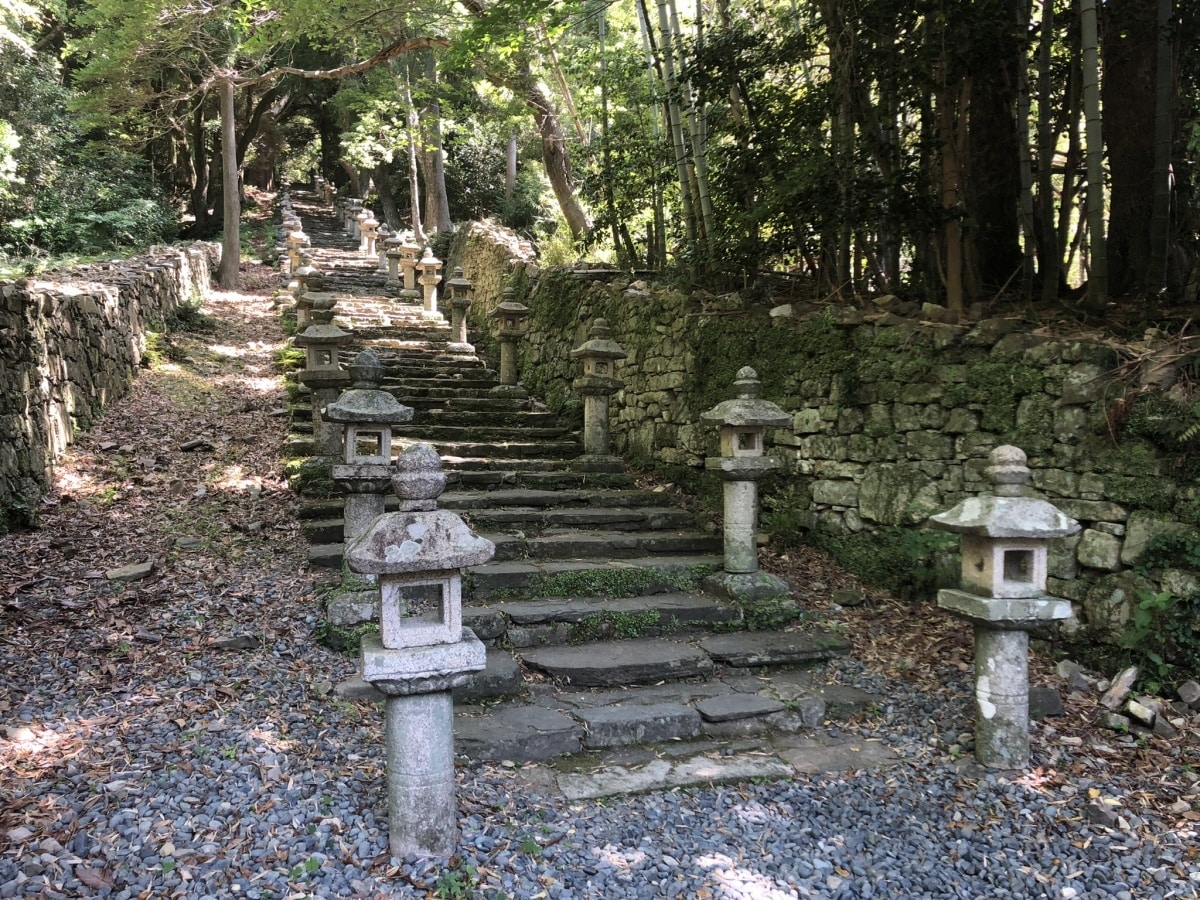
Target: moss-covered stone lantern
600	354
459	289
367	416
422	651
1005	541
430	269
510	319
322	342
743	422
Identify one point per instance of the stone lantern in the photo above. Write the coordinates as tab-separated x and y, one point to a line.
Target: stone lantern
339	209
743	422
422	651
304	279
1005	540
430	268
392	253
459	289
510	318
381	237
367	225
410	250
322	373
327	193
297	240
353	208
598	382
367	416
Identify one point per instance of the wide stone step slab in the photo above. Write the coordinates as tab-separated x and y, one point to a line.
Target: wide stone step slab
519	733
652	574
765	648
620	662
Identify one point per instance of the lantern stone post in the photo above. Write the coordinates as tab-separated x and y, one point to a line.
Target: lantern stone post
430	268
381	238
367	225
392	253
367	416
353	208
327	193
422	651
459	289
510	319
297	240
1005	540
410	251
599	355
743	422
323	374
360	220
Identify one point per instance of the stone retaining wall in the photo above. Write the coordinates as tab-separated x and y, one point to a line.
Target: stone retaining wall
70	343
893	418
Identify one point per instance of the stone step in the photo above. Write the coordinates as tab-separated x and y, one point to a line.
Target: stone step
571	544
626	501
514	478
563	449
618	663
491	435
505	579
554	620
527	421
566	545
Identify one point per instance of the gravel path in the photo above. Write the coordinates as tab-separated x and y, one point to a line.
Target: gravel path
177	736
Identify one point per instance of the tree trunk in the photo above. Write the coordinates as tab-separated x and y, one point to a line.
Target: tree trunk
1049	249
200	172
231	244
1097	298
1164	95
1128	99
994	185
510	169
437	204
414	181
953	106
1025	159
675	121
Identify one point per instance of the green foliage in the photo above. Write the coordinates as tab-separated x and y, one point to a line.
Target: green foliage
619	626
289	359
999	386
1173	550
14	514
1163	636
344	640
903	560
457	883
310	478
614	582
787	514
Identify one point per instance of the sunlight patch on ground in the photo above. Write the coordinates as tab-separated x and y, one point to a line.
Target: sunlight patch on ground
621	859
737	881
234	478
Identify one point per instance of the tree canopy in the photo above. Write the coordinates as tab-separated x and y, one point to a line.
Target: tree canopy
942	150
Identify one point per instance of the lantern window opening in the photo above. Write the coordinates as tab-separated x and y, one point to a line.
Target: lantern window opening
1018	566
421	611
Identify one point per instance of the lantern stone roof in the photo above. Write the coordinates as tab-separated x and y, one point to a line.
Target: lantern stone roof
600	344
434	541
746	410
364	403
1007	513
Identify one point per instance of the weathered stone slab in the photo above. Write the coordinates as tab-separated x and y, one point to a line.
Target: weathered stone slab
131	572
617	726
620	662
500	678
730	707
680	608
662	774
773	649
813	756
519	733
1099	551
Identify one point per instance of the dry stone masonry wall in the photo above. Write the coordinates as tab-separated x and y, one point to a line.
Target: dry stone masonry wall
70	343
893	418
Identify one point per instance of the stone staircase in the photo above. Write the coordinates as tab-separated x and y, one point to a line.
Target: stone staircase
600	634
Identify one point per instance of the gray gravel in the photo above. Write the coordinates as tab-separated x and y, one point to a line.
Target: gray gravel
236	774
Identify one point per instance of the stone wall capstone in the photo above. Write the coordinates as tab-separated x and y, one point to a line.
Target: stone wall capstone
70	343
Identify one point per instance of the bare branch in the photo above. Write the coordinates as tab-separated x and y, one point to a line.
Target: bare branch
387	53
